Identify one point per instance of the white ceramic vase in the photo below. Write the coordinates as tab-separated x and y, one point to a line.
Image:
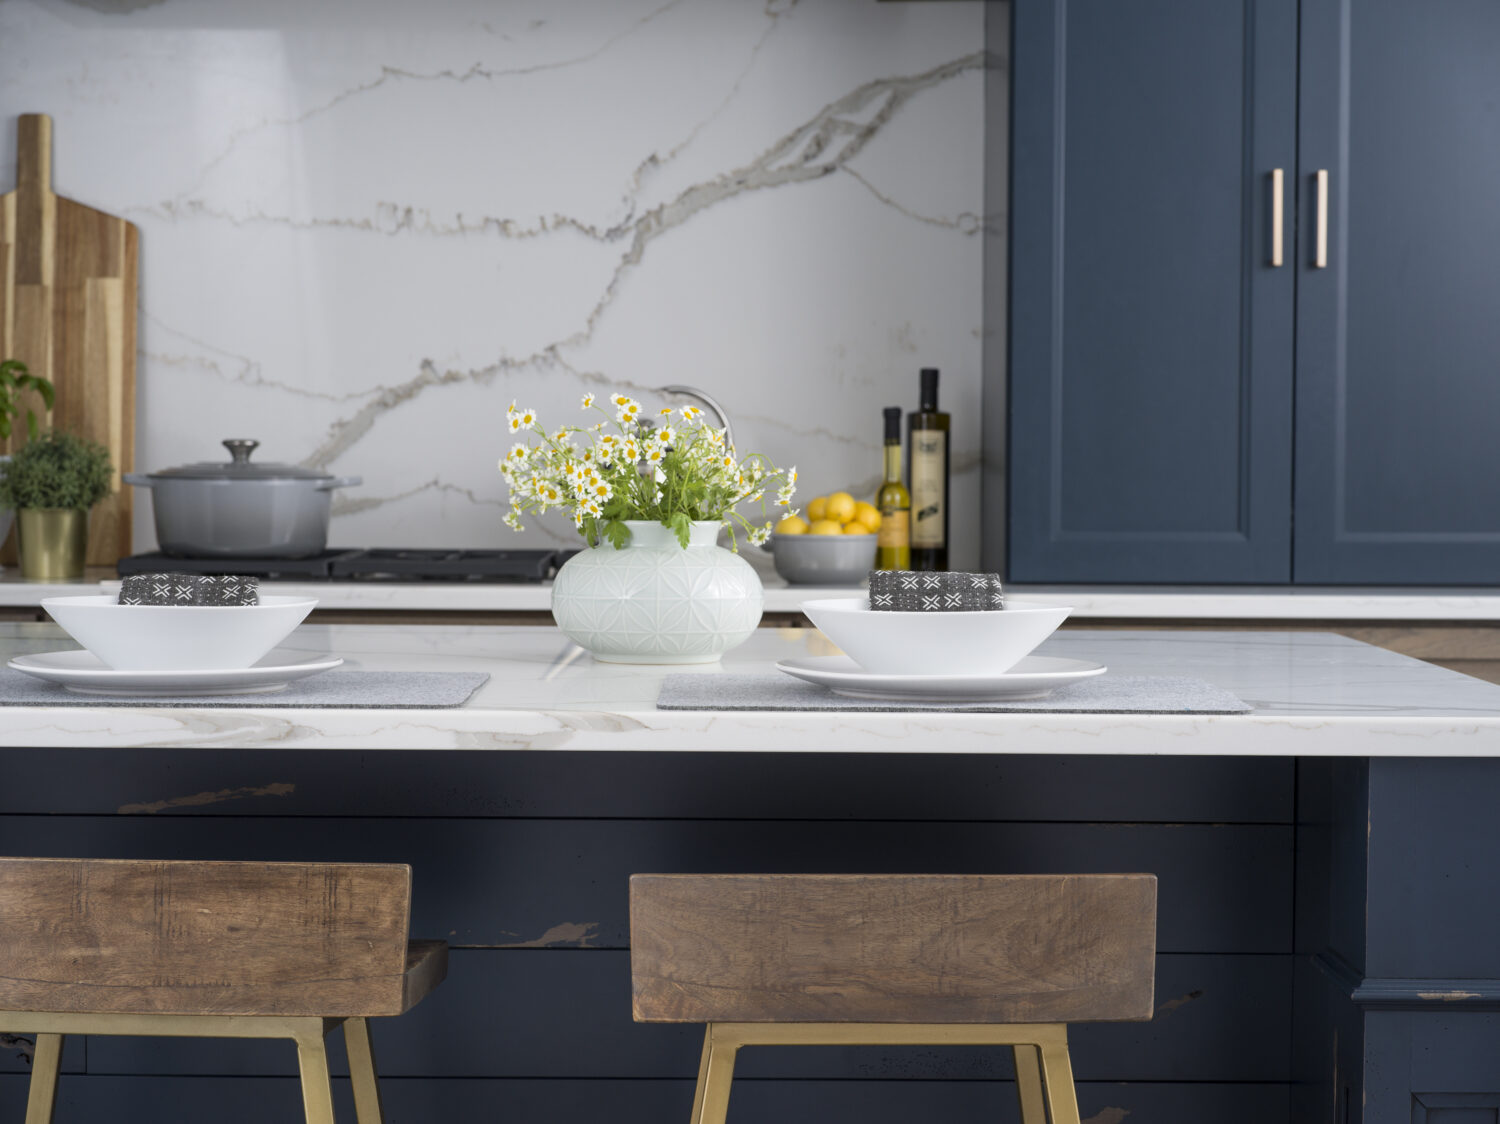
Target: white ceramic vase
654	601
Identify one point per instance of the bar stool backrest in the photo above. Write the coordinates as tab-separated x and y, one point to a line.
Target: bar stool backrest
893	948
229	938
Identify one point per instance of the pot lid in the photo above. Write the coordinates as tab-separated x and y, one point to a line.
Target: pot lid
240	467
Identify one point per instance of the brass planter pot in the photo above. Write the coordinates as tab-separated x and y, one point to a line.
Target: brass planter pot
53	543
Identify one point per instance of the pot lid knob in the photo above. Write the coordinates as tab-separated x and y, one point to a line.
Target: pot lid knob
240	449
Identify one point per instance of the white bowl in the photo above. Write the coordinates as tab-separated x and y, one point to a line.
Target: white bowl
177	637
990	642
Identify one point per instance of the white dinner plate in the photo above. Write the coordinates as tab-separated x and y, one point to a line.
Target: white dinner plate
82	671
1033	678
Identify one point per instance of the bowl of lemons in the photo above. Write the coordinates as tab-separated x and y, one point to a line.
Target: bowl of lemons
833	543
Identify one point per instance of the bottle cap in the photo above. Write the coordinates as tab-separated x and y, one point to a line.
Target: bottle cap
893	424
929	389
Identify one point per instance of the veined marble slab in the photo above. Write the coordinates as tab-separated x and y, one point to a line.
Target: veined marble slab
1314	694
367	228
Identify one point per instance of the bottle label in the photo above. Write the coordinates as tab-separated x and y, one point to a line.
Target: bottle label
928	456
894	529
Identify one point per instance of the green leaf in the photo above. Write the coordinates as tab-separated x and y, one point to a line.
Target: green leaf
680	525
617	533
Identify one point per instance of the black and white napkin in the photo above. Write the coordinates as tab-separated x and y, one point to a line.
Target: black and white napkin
924	591
188	589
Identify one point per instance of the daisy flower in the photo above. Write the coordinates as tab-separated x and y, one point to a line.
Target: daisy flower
588	401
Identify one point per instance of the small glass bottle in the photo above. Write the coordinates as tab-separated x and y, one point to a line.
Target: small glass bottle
893	545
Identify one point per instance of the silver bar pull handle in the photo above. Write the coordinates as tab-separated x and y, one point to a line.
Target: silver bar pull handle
1320	255
1276	217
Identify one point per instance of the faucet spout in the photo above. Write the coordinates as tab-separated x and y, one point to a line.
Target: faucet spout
702	396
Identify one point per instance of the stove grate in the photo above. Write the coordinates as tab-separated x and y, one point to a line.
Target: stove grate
373	565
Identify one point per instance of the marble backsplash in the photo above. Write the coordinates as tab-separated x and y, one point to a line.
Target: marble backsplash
367	228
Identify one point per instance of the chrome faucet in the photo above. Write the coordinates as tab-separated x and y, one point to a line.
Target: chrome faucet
694	392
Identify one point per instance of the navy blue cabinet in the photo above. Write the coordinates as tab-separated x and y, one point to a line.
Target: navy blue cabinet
1192	398
1398	336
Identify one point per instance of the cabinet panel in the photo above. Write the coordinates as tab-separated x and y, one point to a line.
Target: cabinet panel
1398	339
1150	363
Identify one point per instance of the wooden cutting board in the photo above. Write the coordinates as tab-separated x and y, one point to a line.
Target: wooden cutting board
68	311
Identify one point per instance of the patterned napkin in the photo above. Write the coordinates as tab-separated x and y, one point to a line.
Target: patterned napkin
924	591
188	589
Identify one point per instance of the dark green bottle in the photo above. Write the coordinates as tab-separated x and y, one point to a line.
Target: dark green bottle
927	472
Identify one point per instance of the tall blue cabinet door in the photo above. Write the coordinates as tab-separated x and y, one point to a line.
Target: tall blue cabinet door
1398	337
1151	335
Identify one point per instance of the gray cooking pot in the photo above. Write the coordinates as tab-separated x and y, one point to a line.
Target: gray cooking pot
240	509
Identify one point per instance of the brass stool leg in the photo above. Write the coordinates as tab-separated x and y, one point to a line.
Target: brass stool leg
367	1109
715	1072
1057	1072
45	1062
1029	1085
312	1062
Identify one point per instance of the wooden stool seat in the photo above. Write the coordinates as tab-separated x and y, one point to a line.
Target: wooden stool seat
210	949
791	959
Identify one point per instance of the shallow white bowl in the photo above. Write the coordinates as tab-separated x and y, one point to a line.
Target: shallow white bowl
177	637
978	643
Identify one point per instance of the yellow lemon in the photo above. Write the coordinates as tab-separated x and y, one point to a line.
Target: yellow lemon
868	514
840	507
855	527
825	527
817	508
792	525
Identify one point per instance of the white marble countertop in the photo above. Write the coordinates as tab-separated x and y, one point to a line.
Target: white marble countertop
1227	603
1313	694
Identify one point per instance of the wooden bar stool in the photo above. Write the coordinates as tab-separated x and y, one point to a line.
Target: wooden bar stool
210	949
812	959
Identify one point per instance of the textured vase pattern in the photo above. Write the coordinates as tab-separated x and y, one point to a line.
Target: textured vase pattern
655	602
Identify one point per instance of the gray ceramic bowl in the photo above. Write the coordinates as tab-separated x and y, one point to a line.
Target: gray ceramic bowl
823	559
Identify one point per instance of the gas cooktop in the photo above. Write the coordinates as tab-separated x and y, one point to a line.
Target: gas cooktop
371	565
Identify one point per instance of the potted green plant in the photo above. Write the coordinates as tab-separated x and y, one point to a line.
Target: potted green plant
52	482
15	379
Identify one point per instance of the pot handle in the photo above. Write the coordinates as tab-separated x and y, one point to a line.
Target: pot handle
340	482
136	478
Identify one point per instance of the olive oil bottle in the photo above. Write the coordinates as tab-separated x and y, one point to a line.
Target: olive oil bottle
893	546
927	472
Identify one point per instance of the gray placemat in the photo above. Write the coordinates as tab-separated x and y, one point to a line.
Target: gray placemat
1106	694
388	690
